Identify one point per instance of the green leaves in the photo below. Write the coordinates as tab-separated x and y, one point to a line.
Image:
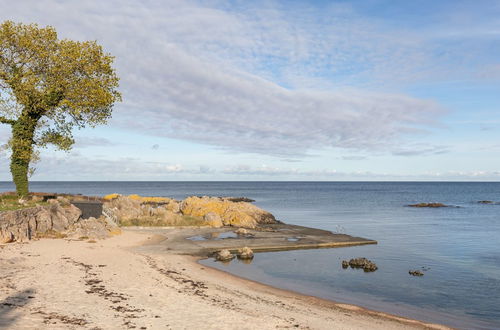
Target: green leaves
48	86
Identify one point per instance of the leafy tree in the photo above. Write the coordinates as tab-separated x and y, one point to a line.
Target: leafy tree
48	86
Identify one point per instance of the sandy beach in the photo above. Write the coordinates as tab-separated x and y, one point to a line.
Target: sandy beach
109	284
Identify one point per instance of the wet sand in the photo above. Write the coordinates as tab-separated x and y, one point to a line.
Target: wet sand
124	283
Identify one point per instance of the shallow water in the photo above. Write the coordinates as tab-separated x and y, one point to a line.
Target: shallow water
459	246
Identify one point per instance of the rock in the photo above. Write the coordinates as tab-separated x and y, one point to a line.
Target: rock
174	206
241	214
416	273
123	208
367	265
245	253
25	224
241	231
36	199
224	255
485	202
345	264
239	199
428	205
62	200
213	220
93	228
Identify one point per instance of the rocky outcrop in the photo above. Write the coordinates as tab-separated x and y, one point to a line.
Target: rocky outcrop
224	255
144	211
58	219
365	264
240	214
25	224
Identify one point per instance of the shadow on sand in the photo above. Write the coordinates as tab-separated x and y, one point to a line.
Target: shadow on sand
9	305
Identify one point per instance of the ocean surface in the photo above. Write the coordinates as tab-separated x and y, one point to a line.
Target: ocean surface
458	247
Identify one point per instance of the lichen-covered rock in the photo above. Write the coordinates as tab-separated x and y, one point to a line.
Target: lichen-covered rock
123	208
213	220
174	206
22	225
224	255
240	214
245	253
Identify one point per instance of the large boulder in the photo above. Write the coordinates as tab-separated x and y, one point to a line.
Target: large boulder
245	253
99	228
239	214
25	224
224	255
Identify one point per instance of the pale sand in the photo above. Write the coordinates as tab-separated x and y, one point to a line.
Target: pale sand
61	284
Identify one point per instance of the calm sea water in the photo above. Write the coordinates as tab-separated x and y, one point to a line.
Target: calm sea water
459	246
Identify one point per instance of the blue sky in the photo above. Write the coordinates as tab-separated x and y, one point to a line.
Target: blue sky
285	90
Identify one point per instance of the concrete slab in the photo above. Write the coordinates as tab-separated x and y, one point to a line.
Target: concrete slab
276	237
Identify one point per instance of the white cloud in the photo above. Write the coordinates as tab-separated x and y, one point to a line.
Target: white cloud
258	79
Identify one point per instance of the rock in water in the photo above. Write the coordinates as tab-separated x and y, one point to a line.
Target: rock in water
245	253
416	273
367	265
428	205
224	255
345	264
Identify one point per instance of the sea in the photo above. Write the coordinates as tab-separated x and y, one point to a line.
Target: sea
457	247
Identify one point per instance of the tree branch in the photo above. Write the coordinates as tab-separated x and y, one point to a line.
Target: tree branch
4	120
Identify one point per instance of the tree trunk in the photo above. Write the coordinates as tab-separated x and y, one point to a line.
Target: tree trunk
22	147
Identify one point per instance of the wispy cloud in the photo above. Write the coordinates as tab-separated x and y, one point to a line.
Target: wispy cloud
262	77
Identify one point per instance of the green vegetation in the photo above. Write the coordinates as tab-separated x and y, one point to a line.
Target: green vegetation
49	86
178	220
11	203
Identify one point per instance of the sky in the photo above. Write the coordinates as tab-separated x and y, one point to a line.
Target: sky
285	90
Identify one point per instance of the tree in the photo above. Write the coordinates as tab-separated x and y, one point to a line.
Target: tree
48	87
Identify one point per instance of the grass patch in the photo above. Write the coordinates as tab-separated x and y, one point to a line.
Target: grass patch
177	221
11	203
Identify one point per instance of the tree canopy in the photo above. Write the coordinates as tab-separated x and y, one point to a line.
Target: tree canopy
48	86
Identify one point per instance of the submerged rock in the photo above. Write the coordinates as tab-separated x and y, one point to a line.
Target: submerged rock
224	255
365	264
245	253
429	205
416	273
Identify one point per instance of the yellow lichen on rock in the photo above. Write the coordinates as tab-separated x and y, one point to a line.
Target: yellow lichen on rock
240	214
111	196
146	199
142	199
